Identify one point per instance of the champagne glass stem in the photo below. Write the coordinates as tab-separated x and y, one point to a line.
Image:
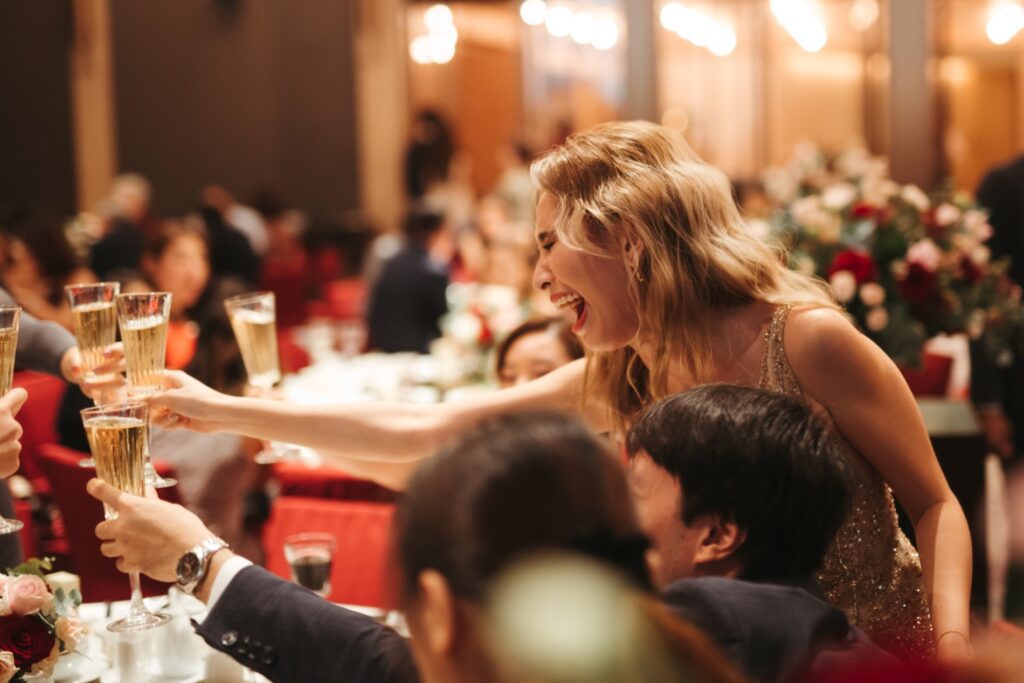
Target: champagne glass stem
137	610
153	477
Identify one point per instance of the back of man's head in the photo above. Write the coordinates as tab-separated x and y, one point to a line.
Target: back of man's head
757	459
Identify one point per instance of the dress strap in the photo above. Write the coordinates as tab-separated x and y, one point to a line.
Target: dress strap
776	374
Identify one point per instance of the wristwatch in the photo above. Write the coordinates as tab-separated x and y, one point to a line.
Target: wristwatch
194	564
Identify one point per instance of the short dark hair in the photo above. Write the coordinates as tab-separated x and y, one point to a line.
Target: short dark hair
756	458
515	485
422	222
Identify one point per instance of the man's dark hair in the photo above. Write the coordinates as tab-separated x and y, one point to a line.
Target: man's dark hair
512	486
422	222
759	459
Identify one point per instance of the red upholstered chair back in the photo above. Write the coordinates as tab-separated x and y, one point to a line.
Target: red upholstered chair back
101	581
38	418
932	378
361	574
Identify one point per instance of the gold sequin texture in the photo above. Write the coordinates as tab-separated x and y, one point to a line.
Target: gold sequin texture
872	571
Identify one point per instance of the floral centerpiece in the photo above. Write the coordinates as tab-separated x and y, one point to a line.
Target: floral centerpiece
906	266
36	625
479	316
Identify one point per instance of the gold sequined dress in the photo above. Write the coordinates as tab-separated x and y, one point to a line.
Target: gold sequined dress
871	571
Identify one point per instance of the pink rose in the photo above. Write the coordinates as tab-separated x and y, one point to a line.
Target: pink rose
69	632
27	594
7	667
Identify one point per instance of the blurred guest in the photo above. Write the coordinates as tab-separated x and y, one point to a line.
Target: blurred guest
38	262
741	492
230	251
246	220
408	297
506	491
121	247
514	185
534	349
430	153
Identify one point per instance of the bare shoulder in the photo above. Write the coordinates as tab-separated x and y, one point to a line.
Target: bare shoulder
826	352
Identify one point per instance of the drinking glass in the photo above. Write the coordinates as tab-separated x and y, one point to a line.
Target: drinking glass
311	556
253	318
95	318
143	320
118	438
10	316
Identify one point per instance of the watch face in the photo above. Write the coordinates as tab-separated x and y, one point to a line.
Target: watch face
188	567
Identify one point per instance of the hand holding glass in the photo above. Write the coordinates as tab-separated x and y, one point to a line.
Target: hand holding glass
10	317
118	438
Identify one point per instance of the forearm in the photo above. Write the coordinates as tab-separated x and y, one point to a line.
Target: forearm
944	543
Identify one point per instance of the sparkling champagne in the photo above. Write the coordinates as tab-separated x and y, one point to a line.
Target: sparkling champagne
95	329
8	343
118	446
257	339
145	347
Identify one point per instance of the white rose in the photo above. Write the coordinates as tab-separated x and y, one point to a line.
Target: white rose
844	284
947	214
838	197
926	254
877	319
872	294
914	196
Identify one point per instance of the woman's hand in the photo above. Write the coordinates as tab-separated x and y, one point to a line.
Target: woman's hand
10	431
112	388
187	402
149	535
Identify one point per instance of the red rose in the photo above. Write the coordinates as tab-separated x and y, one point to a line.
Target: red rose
970	270
920	285
857	262
863	210
27	637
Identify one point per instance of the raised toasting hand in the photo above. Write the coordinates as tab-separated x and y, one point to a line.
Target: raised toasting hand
187	402
10	431
106	383
148	535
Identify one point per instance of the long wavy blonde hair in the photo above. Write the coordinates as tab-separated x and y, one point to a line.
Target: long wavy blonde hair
697	256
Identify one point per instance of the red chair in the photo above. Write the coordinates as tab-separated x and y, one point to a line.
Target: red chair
101	581
361	571
293	357
296	479
932	378
38	420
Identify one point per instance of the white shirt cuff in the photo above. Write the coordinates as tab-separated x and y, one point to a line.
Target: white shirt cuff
224	577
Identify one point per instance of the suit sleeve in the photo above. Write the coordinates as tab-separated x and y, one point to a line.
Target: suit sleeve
41	345
290	635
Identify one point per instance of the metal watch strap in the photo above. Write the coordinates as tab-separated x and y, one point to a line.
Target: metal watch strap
203	552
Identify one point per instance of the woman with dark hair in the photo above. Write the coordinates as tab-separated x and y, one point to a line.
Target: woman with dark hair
511	491
37	262
534	349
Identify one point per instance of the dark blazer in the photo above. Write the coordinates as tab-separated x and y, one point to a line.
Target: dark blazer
407	301
288	634
770	631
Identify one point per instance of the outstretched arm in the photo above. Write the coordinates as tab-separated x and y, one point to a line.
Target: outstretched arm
392	432
875	412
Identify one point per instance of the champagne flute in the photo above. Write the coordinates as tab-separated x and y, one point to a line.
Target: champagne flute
10	316
253	319
95	318
143	320
118	438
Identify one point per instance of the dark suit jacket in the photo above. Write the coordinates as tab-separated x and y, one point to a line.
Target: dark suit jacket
770	631
288	634
407	301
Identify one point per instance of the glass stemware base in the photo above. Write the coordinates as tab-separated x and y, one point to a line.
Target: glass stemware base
10	526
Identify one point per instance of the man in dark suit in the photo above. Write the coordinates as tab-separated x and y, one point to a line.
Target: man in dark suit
741	492
409	295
